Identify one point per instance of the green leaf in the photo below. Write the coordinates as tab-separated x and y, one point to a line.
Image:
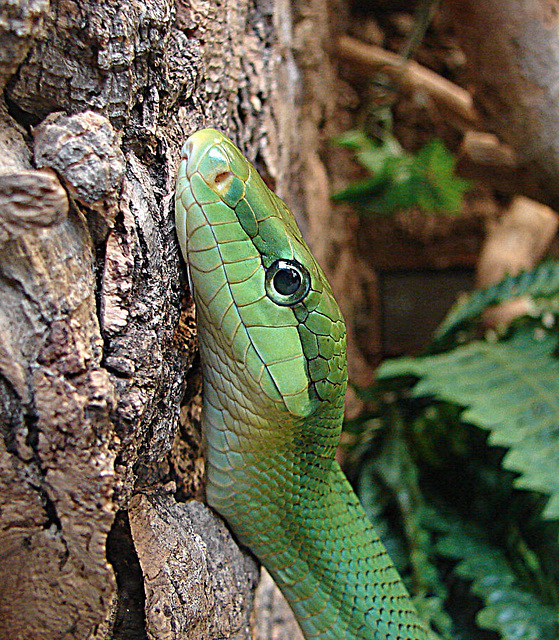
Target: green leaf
388	479
362	191
441	190
401	180
511	390
542	282
510	609
354	139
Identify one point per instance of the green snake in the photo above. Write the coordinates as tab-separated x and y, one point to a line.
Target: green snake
273	353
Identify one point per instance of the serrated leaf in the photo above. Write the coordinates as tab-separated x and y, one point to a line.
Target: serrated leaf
510	389
376	476
510	609
370	153
434	157
541	282
401	180
362	191
436	165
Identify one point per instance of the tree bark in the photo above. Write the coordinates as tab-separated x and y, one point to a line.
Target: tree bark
97	332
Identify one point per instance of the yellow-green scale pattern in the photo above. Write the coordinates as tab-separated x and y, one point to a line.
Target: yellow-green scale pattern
274	383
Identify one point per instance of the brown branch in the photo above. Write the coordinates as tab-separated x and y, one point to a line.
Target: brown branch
411	76
486	149
198	583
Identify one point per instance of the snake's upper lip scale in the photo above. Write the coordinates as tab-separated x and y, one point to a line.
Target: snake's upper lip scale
189	148
198	143
186	150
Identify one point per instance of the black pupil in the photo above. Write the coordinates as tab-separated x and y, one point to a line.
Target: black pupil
287	281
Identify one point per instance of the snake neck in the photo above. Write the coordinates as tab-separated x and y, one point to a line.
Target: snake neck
287	499
253	459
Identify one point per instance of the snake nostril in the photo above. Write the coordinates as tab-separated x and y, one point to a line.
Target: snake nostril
222	177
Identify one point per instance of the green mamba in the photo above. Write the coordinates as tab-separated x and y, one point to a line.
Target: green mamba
273	349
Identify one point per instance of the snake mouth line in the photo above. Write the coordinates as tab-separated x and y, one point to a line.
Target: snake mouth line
186	150
227	284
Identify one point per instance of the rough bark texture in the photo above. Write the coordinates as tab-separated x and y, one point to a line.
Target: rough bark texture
515	73
191	592
97	332
57	454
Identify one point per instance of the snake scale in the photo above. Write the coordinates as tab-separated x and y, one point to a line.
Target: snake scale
272	343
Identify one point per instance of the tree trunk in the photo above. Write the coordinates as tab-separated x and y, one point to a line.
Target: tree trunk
99	533
515	74
97	338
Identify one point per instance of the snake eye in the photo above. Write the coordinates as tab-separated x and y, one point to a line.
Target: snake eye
287	282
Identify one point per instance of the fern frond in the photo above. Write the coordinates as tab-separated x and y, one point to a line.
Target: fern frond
541	282
430	592
511	390
509	608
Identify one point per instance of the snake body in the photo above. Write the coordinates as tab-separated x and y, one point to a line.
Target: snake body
272	343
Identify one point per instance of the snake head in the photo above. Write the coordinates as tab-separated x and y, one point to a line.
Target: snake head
268	320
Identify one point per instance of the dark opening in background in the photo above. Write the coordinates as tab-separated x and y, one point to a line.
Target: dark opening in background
413	303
